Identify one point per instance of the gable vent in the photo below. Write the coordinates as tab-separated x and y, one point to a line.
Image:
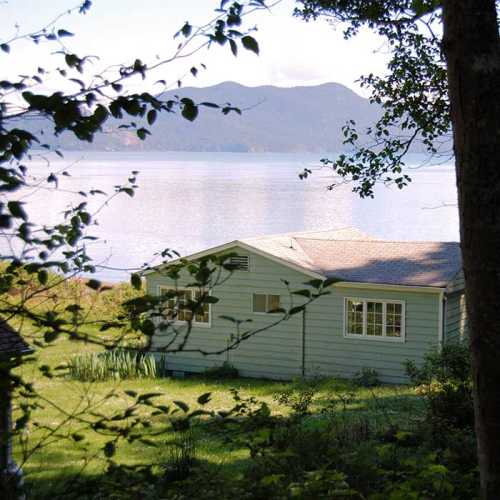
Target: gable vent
240	262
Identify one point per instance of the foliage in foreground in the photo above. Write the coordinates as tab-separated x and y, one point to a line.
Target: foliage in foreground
345	443
445	381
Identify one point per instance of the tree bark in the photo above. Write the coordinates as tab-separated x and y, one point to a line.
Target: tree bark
472	48
7	480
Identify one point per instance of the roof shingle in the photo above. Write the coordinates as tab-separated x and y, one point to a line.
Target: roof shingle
351	255
387	262
11	343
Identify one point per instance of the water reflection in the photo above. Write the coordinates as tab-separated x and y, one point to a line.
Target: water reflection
191	201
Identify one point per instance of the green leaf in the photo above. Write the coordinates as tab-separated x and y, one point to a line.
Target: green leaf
204	398
209	299
210	105
330	281
109	449
5	221
186	30
127	190
189	110
183	406
136	281
142	133
148	328
50	336
233	46
250	44
149	395
16	209
303	293
62	33
315	283
85	217
94	284
43	276
151	116
198	413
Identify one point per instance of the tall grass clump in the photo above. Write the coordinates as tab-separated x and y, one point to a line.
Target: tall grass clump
116	364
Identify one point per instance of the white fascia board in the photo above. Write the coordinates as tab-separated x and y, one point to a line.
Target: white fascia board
382	286
245	246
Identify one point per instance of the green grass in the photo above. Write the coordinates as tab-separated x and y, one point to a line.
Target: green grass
62	459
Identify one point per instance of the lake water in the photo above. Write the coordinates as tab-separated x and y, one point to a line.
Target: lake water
192	201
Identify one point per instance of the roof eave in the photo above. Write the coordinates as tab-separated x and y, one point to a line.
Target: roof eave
390	287
246	246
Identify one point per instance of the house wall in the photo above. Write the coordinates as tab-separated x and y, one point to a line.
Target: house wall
274	353
277	353
456	318
457	284
330	353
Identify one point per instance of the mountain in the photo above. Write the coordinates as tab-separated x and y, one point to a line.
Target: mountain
274	119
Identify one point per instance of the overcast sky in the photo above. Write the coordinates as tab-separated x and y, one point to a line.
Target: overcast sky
293	52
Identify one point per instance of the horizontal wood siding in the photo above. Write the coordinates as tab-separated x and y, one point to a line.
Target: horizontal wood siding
329	352
457	284
277	353
273	353
456	318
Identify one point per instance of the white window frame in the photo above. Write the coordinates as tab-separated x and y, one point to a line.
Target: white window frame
176	321
383	337
267	302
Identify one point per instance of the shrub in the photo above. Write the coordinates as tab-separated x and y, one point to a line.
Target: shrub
367	377
224	371
451	363
445	382
298	396
116	364
181	455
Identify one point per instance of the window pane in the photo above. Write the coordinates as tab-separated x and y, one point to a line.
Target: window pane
374	318
259	303
355	317
273	302
394	320
168	305
202	310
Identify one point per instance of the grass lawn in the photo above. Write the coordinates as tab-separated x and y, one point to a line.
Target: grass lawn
62	458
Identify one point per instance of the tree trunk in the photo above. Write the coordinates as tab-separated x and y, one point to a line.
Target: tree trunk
472	48
7	480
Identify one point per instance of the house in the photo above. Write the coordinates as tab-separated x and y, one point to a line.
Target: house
393	301
12	347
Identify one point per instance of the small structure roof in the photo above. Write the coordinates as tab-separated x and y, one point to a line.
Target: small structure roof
11	343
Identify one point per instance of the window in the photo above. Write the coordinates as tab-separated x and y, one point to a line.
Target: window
239	262
375	319
179	307
265	303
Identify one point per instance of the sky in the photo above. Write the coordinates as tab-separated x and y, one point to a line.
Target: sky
292	52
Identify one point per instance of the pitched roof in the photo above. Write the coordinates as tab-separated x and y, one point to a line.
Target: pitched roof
11	343
432	264
285	246
351	255
354	256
